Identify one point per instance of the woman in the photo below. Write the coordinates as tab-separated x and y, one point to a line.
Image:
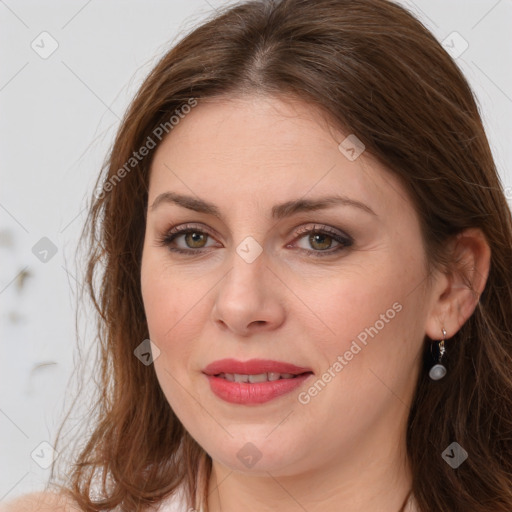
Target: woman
306	297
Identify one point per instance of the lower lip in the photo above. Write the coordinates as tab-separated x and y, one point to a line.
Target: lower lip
253	393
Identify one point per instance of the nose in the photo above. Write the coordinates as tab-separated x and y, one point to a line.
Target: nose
247	299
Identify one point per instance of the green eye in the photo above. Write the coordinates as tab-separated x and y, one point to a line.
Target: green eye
195	239
321	238
322	241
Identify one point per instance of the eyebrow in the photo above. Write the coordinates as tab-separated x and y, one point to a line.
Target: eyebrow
279	211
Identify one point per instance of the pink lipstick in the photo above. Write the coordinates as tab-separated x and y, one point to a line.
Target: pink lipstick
255	381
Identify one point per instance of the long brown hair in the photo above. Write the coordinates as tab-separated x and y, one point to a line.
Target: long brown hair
380	74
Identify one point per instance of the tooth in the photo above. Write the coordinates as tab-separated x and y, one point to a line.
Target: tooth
260	377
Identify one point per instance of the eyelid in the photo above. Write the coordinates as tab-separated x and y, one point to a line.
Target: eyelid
191	226
323	228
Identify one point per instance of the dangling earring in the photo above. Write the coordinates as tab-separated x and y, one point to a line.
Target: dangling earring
438	371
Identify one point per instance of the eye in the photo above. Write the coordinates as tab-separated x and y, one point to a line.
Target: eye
322	238
192	239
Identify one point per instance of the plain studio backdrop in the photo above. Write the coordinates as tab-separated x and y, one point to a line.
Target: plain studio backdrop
68	71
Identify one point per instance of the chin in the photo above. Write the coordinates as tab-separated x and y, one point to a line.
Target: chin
258	454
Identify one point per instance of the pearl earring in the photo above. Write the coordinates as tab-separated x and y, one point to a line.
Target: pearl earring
438	371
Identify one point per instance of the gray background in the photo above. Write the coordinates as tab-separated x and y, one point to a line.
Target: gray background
58	118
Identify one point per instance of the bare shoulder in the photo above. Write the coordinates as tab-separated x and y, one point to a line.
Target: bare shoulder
40	501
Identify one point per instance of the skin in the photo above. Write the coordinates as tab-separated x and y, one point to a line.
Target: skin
345	448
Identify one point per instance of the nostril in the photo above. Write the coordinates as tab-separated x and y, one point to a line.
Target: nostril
258	322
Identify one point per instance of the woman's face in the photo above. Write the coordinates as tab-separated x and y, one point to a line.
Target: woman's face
346	305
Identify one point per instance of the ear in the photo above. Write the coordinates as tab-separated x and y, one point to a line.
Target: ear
456	289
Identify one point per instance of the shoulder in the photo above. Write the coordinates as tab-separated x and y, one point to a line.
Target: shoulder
40	501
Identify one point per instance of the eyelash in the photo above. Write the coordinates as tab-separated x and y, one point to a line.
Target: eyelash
345	241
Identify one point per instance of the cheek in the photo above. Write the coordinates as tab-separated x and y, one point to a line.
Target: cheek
356	300
164	294
174	318
158	307
167	307
176	311
370	360
374	315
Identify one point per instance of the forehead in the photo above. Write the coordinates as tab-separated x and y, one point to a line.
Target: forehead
265	148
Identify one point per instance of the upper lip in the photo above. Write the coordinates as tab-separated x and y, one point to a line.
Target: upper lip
252	367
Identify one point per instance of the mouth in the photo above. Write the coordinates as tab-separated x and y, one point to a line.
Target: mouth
255	381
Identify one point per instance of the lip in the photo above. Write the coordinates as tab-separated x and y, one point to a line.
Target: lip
245	393
252	367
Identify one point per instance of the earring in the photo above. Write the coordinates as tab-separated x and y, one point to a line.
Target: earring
438	371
